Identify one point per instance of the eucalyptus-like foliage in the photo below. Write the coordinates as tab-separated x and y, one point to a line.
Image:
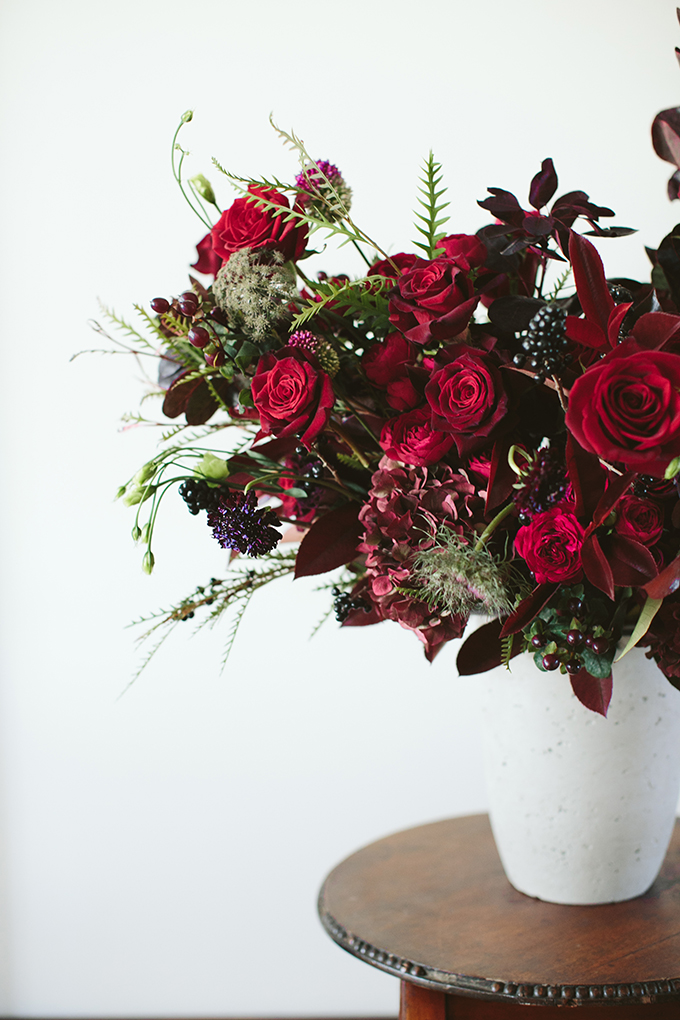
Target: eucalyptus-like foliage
428	224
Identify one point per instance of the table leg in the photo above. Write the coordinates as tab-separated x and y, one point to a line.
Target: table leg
416	1003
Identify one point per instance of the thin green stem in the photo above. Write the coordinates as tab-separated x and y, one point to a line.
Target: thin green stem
490	528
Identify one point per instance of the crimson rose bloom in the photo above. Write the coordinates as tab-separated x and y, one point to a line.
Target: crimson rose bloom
640	519
467	397
385	267
246	225
292	396
432	301
466	250
626	408
208	260
387	359
551	546
411	439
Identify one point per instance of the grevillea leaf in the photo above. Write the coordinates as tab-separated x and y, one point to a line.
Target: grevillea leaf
484	649
593	692
528	609
330	542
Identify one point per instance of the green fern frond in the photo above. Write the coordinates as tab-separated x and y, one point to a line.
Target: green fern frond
506	650
357	300
560	285
350	461
431	222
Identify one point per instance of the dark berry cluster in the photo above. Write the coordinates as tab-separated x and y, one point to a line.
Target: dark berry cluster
190	306
198	495
344	604
544	345
567	650
543	484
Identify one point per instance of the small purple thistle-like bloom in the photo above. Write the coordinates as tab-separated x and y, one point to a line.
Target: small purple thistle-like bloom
310	179
238	523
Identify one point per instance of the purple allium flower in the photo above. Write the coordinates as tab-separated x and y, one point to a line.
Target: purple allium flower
311	180
238	523
323	190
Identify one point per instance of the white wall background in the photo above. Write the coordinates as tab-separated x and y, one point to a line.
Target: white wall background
160	852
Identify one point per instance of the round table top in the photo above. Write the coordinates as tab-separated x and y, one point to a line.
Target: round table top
432	905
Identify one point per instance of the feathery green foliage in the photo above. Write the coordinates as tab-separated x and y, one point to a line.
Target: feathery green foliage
356	299
430	223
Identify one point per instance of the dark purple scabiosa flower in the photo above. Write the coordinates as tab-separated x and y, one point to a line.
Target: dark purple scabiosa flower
324	190
239	523
542	484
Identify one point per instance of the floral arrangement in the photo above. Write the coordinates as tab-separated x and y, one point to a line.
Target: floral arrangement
482	424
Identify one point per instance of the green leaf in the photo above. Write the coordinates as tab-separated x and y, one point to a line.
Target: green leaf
432	219
647	614
599	666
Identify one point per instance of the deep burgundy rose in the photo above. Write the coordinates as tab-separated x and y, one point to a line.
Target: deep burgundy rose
387	359
432	301
640	519
626	408
467	397
466	250
208	260
402	395
411	439
385	267
246	225
292	395
551	546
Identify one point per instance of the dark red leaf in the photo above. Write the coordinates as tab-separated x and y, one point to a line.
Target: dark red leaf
514	313
655	329
591	284
593	692
330	542
612	494
201	405
596	566
177	396
538	226
616	321
544	185
632	563
666	582
666	135
501	475
528	609
483	650
587	477
586	333
504	206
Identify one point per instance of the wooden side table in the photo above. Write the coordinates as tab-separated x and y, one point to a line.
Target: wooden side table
432	906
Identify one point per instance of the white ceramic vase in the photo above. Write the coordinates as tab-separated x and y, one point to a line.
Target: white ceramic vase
582	807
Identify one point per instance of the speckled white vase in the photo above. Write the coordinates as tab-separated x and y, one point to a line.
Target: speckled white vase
582	807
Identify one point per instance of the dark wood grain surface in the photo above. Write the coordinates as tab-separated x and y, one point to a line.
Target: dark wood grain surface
432	906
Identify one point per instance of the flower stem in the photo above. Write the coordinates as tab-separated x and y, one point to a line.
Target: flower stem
490	528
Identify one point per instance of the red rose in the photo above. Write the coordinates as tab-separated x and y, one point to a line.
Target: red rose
208	260
402	395
551	546
411	439
387	359
432	301
466	250
626	408
291	395
467	397
246	225
639	519
385	267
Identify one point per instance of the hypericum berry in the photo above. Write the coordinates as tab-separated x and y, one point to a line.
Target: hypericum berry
600	645
198	336
588	640
544	346
575	638
188	303
160	305
217	359
550	661
573	666
537	641
575	606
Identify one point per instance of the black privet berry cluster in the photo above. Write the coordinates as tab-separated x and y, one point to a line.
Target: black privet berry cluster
344	604
569	637
544	346
198	495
